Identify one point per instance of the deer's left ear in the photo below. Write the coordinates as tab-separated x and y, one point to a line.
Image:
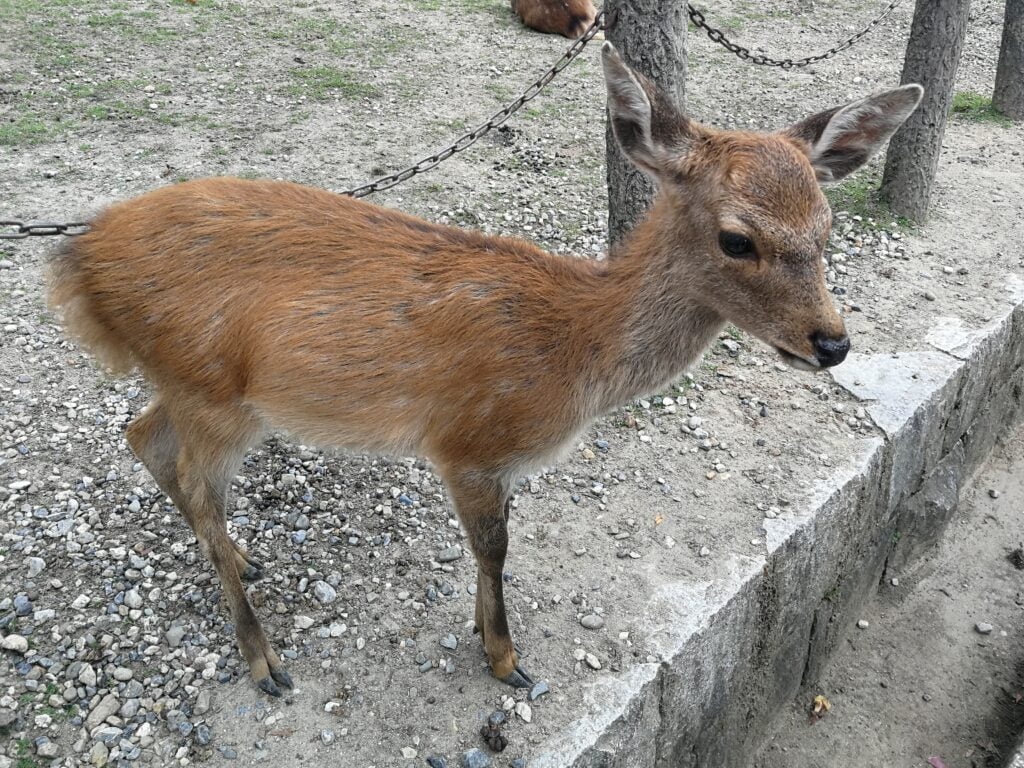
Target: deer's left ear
648	127
840	140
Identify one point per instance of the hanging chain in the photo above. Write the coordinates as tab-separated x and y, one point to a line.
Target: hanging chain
41	229
466	140
717	36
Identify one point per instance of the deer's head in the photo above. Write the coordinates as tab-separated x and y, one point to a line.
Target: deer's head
743	213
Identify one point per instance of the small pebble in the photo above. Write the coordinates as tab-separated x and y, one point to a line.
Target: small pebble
863	624
538	690
984	628
525	711
449	555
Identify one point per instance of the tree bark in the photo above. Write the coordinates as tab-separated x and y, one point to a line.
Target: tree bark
650	35
933	55
1008	96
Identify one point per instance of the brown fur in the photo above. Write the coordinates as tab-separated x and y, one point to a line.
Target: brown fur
260	305
569	18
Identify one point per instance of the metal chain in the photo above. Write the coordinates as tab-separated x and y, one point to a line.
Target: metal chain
466	140
717	36
42	229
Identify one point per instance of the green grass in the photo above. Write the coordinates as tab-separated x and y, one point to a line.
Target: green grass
858	195
973	106
22	131
485	6
324	83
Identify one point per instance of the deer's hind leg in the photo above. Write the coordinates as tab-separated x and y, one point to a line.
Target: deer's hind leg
210	440
154	439
481	505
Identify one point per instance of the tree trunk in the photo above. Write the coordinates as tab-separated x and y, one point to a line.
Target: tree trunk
933	54
650	35
1008	96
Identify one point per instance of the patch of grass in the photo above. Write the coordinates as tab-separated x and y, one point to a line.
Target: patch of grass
24	130
114	110
465	5
858	195
324	83
973	106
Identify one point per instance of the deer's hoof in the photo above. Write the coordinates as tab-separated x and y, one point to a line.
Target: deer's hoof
268	686
252	573
272	683
518	678
282	678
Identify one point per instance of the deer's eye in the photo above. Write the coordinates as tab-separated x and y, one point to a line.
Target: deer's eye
736	245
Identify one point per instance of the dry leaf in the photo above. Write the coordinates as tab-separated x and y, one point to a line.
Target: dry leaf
821	705
820	708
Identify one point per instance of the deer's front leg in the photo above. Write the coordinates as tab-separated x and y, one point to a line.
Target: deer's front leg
481	507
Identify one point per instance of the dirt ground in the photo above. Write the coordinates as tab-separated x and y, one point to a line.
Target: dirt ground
921	681
103	100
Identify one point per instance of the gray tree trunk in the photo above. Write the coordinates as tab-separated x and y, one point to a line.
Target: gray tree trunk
1008	96
933	55
651	37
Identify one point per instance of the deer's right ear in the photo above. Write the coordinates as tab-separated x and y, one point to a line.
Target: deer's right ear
646	124
840	140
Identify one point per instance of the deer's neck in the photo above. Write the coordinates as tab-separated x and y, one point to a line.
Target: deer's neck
657	319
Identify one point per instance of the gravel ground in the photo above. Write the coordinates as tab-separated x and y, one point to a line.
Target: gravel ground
116	647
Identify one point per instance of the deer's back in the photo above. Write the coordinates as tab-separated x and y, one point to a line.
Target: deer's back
343	321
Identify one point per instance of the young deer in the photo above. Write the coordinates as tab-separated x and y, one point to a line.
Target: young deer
569	18
258	305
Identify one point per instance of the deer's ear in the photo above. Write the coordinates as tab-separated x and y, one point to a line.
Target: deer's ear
840	140
646	123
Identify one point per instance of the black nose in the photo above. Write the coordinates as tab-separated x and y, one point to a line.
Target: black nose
830	351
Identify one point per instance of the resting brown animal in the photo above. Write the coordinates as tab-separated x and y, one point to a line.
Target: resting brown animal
569	18
260	305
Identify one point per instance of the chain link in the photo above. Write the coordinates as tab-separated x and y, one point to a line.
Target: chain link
717	36
466	140
41	229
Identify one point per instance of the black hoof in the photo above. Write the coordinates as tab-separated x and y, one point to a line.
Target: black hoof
518	678
282	677
252	573
267	685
